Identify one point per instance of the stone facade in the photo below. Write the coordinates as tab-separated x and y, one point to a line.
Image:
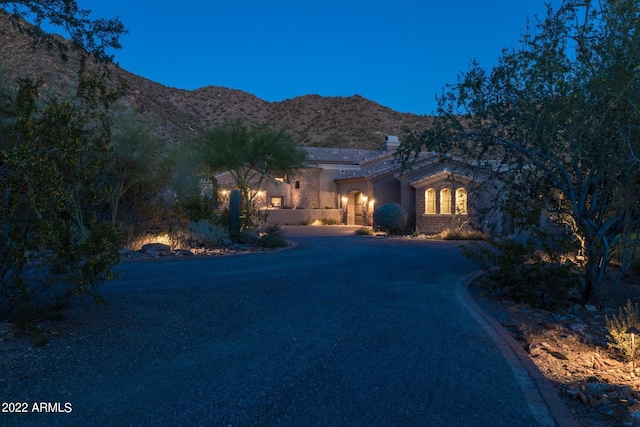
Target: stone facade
305	189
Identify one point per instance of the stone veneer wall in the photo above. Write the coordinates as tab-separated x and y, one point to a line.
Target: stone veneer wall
436	223
308	195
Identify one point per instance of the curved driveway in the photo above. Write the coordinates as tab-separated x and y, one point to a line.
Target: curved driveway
338	331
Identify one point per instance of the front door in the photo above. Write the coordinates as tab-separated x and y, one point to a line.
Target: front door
357	200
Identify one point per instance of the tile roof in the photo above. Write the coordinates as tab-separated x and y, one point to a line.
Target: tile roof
339	155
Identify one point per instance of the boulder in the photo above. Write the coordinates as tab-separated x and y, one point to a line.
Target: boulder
156	249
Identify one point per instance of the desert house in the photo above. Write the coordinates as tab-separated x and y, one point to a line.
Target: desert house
346	185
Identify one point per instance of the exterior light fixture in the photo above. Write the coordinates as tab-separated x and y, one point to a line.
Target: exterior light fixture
633	331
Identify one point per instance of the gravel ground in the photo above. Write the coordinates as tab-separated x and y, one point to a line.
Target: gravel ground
346	330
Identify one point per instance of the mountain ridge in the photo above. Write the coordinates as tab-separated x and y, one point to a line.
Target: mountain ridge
315	120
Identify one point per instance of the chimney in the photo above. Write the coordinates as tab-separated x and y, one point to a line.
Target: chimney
390	143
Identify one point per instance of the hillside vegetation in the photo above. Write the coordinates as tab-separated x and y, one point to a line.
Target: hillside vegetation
341	122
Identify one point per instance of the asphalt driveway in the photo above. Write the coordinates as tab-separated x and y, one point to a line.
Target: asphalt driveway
340	330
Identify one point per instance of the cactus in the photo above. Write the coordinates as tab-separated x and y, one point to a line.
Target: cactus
234	215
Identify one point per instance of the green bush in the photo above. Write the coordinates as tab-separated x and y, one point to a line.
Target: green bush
531	271
273	237
247	237
629	316
363	231
329	221
203	234
390	218
455	234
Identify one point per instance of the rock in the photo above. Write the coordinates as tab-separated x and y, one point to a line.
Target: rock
552	326
591	308
583	397
127	253
156	249
184	252
606	410
573	394
578	327
558	355
546	346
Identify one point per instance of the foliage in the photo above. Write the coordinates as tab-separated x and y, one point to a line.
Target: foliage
553	122
206	235
96	36
55	241
137	154
457	234
628	316
363	231
322	221
390	218
272	237
186	182
531	271
250	154
234	215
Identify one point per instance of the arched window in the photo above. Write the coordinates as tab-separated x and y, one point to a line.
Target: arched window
461	201
445	201
430	201
297	184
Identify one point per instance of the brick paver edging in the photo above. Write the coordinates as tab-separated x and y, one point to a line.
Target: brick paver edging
543	400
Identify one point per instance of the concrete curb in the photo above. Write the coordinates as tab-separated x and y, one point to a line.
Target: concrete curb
543	400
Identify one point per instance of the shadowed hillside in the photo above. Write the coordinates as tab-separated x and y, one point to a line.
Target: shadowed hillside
344	122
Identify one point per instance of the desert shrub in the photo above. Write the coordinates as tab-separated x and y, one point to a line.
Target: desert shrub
329	221
207	235
456	234
247	237
323	221
617	326
272	237
363	231
390	218
530	271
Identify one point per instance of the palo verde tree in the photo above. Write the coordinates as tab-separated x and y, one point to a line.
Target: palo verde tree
554	121
250	155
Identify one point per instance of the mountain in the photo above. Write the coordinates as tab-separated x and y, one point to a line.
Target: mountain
340	122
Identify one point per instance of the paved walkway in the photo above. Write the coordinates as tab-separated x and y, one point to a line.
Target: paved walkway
341	330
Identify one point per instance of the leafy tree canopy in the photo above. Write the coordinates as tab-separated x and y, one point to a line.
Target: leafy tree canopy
249	154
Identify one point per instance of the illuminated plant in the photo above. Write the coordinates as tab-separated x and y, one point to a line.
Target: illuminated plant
617	326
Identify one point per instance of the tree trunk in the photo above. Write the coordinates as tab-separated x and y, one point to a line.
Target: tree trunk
590	289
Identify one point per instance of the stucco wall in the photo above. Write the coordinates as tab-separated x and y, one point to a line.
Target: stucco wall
303	216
